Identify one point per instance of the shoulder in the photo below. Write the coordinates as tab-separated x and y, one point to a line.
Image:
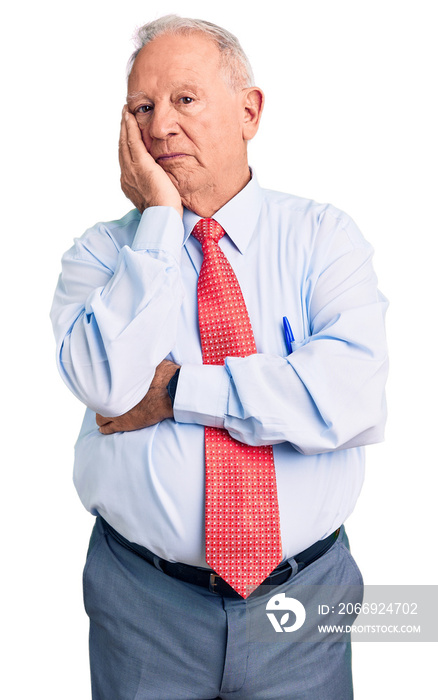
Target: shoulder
105	239
120	230
303	208
313	222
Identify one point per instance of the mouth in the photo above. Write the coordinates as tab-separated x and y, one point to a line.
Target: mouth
168	157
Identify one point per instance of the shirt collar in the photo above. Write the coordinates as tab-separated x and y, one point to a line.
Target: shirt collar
238	217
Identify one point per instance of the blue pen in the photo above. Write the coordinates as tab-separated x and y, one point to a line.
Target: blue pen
288	334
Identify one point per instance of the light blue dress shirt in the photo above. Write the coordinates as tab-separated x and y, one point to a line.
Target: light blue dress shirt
126	299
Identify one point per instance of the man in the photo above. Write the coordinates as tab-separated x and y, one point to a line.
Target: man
163	381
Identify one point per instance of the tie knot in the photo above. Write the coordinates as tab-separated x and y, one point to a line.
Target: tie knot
208	230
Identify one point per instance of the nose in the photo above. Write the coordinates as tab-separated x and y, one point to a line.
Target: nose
162	123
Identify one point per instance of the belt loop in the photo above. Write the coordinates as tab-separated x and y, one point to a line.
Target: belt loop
157	563
294	566
212	582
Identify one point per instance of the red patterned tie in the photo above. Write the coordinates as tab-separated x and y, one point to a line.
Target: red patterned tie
242	528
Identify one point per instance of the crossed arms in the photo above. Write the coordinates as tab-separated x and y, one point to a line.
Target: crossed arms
111	337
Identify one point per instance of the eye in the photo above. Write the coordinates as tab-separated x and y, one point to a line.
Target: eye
186	100
143	109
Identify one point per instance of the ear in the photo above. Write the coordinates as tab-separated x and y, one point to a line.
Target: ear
253	103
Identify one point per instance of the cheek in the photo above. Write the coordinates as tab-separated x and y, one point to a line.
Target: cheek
228	140
144	133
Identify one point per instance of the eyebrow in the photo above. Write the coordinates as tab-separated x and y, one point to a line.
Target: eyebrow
135	95
186	85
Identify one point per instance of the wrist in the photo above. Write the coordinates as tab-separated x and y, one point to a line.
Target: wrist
172	385
202	395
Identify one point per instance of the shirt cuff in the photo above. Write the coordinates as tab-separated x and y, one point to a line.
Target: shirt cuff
202	395
160	228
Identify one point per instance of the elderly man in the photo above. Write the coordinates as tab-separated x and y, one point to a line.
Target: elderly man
228	342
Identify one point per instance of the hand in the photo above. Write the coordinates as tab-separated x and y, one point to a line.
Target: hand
153	408
143	181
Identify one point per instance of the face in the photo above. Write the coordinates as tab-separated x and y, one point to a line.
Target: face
193	124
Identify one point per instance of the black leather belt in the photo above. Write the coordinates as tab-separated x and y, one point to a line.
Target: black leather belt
208	579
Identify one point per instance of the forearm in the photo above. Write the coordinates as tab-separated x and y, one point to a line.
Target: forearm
328	394
154	407
115	311
263	400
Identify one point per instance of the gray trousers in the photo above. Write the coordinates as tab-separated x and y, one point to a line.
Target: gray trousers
153	637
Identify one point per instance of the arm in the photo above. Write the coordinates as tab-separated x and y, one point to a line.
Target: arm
329	393
118	298
153	408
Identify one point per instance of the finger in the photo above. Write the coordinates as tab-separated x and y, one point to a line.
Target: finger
124	152
102	420
137	148
107	429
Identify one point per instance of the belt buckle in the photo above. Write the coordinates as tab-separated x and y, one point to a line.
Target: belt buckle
212	582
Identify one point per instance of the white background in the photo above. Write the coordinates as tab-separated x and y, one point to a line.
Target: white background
351	119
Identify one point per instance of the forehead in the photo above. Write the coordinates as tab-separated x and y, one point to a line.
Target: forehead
172	59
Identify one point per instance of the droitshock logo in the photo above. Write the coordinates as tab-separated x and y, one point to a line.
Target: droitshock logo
281	603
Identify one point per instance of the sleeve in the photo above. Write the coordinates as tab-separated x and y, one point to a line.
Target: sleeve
116	307
328	393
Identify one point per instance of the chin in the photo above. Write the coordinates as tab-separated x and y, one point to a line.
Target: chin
186	183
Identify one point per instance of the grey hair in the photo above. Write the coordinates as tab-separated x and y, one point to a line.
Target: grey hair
234	62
